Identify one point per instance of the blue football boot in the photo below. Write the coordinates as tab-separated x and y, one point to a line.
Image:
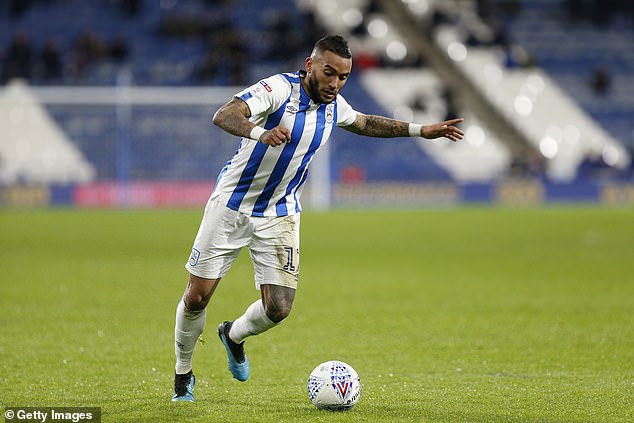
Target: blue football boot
238	362
184	387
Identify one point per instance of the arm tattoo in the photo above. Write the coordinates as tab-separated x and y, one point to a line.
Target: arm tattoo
379	126
233	117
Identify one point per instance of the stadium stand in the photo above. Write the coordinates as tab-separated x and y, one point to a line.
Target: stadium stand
224	43
587	47
573	43
185	44
415	93
34	149
524	94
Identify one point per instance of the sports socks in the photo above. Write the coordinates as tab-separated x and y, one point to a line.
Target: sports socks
189	326
254	321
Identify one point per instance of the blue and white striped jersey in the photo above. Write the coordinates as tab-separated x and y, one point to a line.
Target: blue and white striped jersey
267	181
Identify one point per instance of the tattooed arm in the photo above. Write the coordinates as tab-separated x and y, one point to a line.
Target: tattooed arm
234	116
383	127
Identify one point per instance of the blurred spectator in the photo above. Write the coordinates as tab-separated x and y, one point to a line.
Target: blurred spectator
518	56
19	60
2	64
173	25
212	3
449	97
311	31
601	81
418	103
118	49
576	10
486	9
281	40
601	12
238	53
17	8
207	70
131	8
87	50
50	61
227	55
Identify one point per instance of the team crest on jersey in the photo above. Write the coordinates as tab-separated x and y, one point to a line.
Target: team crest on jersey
266	86
330	113
193	258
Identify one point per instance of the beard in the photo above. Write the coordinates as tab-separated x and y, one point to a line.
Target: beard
313	90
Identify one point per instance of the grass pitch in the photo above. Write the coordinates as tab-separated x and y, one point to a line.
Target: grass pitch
460	315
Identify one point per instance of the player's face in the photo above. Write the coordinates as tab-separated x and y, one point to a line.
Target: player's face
326	74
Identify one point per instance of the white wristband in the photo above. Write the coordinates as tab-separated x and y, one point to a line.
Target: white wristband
256	133
414	130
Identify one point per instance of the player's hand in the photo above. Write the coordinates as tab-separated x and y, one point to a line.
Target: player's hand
443	129
276	136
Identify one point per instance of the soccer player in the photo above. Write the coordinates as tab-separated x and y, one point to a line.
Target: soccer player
283	121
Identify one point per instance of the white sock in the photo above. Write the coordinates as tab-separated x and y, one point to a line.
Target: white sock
254	321
189	326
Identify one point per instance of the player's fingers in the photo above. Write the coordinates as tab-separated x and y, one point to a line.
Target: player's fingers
282	133
286	132
456	130
271	138
453	121
454	134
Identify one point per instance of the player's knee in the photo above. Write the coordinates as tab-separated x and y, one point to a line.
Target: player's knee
195	302
277	314
199	292
278	301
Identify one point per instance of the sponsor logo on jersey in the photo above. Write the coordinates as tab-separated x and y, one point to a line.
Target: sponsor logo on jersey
292	106
266	86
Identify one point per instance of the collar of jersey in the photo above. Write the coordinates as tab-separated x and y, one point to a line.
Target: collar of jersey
304	98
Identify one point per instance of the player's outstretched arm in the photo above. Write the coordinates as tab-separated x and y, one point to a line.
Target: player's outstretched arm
384	127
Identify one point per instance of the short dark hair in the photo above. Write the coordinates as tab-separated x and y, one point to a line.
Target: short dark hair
335	43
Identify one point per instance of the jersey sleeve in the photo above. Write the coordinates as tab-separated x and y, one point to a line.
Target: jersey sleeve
265	96
346	115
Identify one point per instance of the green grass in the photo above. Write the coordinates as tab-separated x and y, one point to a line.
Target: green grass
459	315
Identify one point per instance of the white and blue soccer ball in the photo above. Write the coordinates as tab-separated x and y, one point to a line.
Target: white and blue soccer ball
334	385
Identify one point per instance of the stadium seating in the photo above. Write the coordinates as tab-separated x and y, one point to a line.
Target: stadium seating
165	43
571	48
179	142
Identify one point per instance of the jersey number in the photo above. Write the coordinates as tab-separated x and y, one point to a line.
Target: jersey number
289	262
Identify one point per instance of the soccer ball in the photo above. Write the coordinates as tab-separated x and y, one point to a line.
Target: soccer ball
334	385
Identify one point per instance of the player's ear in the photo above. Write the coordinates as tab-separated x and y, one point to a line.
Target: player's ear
309	63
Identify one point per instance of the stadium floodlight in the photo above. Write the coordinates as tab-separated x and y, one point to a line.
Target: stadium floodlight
548	147
352	17
523	105
457	51
396	51
377	28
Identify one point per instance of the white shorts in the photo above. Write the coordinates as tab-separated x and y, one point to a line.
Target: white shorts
273	243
